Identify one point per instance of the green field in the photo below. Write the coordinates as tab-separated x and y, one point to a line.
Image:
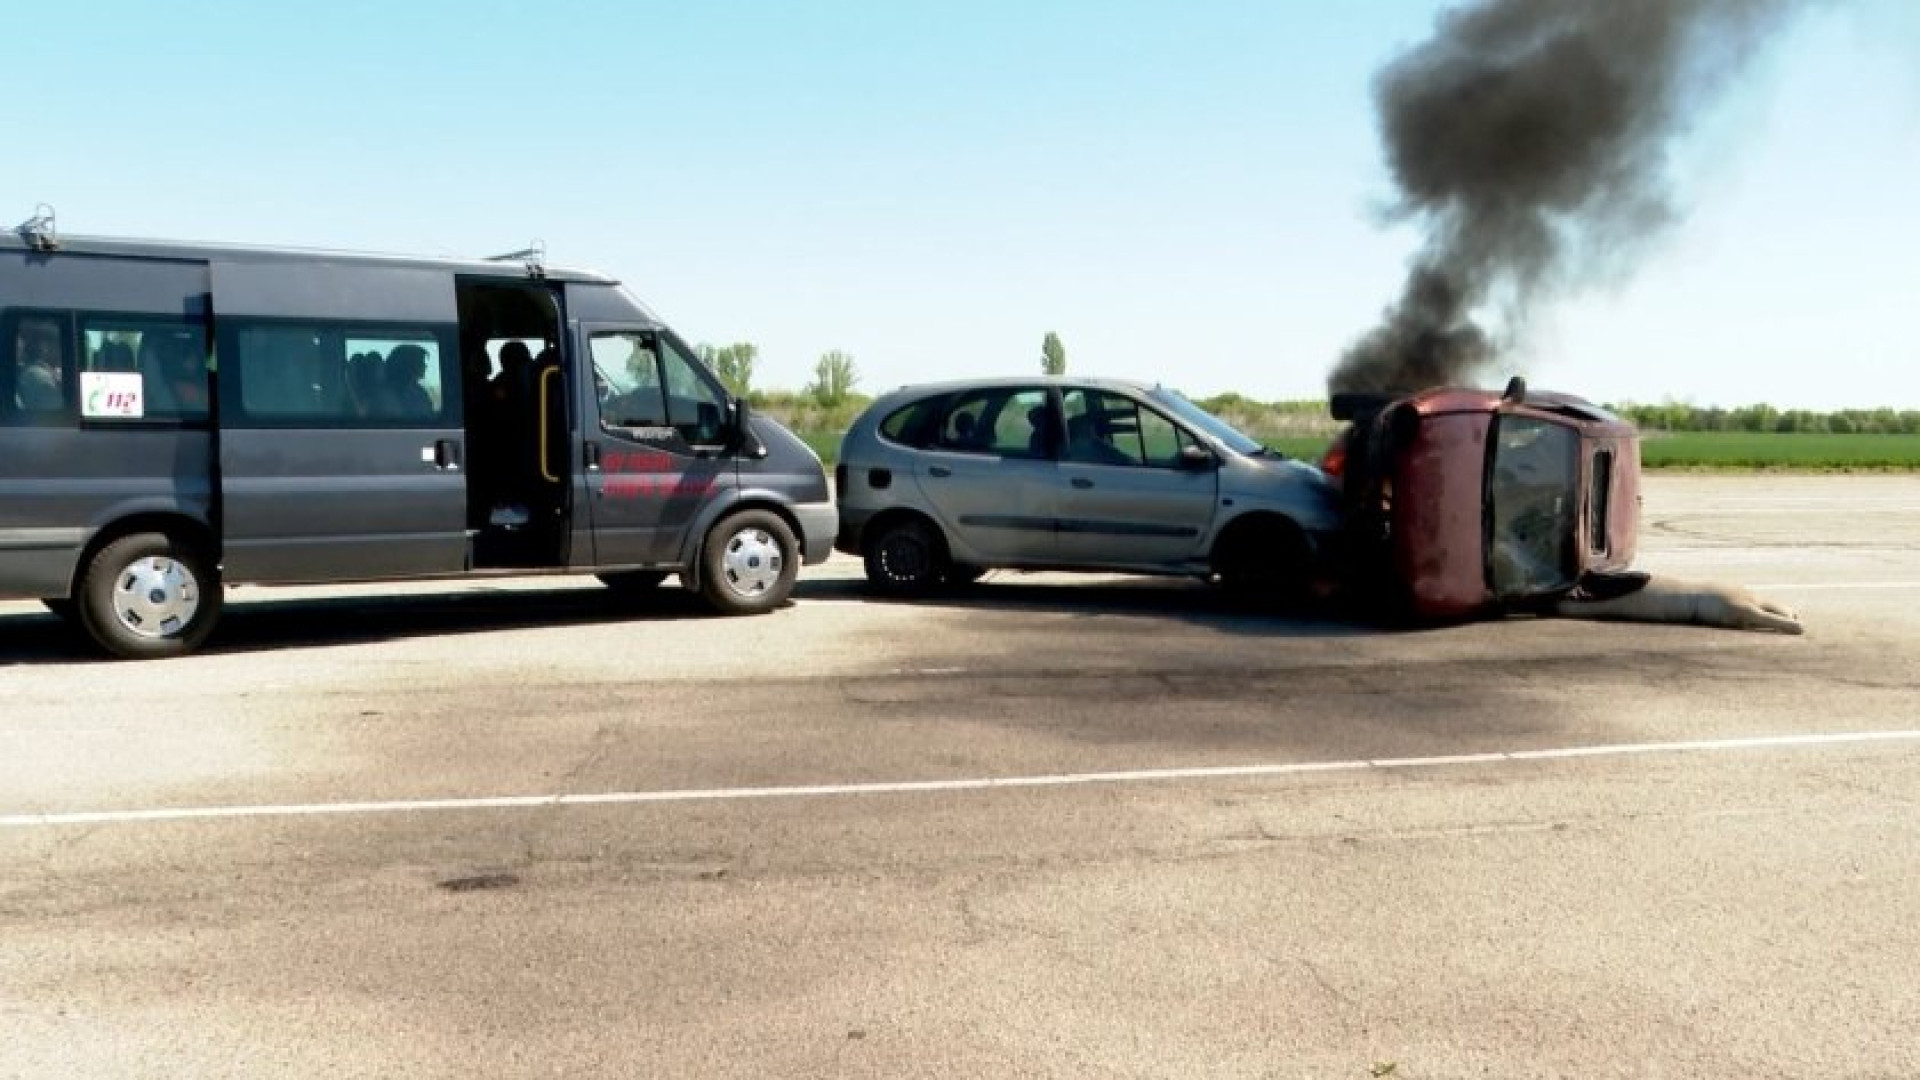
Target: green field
1661	450
1745	450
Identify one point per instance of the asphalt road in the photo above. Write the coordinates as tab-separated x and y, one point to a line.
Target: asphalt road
1056	827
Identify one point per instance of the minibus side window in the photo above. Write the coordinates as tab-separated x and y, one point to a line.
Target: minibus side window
316	375
138	368
36	368
646	381
626	375
695	406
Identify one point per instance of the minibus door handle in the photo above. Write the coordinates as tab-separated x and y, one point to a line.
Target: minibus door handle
593	456
446	454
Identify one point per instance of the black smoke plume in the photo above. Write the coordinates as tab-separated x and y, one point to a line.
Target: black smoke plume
1528	138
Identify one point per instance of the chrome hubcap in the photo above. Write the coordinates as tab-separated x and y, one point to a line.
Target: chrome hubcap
753	562
156	597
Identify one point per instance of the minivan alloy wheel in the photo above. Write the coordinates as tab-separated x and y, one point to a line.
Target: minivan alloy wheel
906	556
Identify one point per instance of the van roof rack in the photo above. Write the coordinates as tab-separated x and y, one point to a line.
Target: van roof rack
39	231
533	257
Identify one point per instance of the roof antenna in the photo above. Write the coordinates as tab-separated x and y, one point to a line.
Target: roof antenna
38	231
534	257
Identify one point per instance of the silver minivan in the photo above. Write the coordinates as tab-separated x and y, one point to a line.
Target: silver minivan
938	483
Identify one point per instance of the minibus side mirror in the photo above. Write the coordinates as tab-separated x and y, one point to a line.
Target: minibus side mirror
745	441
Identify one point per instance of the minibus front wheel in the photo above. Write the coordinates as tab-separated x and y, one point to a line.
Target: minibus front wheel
149	595
749	562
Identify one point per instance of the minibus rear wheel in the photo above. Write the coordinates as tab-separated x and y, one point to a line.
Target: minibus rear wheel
749	562
149	595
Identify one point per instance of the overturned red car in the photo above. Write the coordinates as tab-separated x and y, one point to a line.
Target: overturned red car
1464	503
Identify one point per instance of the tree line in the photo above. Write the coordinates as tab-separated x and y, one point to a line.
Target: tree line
836	379
835	375
1767	419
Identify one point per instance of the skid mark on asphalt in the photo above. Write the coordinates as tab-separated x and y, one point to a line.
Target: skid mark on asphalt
919	787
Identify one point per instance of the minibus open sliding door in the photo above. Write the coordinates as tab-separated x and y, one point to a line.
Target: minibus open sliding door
341	433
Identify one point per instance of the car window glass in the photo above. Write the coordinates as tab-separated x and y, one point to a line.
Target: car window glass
1161	440
626	371
696	406
298	374
35	386
164	360
908	424
1005	422
1531	495
1103	428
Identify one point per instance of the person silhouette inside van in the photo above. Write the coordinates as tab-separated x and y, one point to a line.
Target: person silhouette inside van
406	398
37	380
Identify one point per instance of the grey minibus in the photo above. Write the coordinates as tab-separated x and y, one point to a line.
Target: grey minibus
175	418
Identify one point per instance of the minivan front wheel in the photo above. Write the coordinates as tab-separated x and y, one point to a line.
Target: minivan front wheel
906	556
748	563
1263	562
149	595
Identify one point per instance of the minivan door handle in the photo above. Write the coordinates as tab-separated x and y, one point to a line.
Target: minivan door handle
1082	482
446	454
939	470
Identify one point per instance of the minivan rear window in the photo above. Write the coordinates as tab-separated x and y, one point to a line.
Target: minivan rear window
909	424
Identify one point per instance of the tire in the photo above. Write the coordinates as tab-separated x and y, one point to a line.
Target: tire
906	557
149	595
1262	562
748	563
632	581
64	607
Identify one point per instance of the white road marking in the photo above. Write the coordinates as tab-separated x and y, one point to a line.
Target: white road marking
1805	585
1780	507
914	787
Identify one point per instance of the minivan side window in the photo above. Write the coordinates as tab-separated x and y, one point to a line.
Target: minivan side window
142	368
315	375
1006	422
644	380
907	425
1105	428
36	368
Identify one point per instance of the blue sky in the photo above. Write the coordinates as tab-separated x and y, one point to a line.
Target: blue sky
1189	193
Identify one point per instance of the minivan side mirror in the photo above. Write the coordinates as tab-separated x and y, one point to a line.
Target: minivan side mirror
1196	457
745	442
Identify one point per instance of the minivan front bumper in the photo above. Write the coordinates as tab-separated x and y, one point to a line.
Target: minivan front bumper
819	524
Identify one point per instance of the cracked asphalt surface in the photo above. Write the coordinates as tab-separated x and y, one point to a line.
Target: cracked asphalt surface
765	894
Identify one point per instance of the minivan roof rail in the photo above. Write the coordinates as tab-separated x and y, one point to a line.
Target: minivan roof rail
39	231
533	257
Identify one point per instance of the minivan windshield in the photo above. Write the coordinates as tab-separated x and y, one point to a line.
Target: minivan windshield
1532	488
1193	414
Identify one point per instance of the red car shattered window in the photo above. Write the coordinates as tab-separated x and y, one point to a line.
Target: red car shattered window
1531	497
